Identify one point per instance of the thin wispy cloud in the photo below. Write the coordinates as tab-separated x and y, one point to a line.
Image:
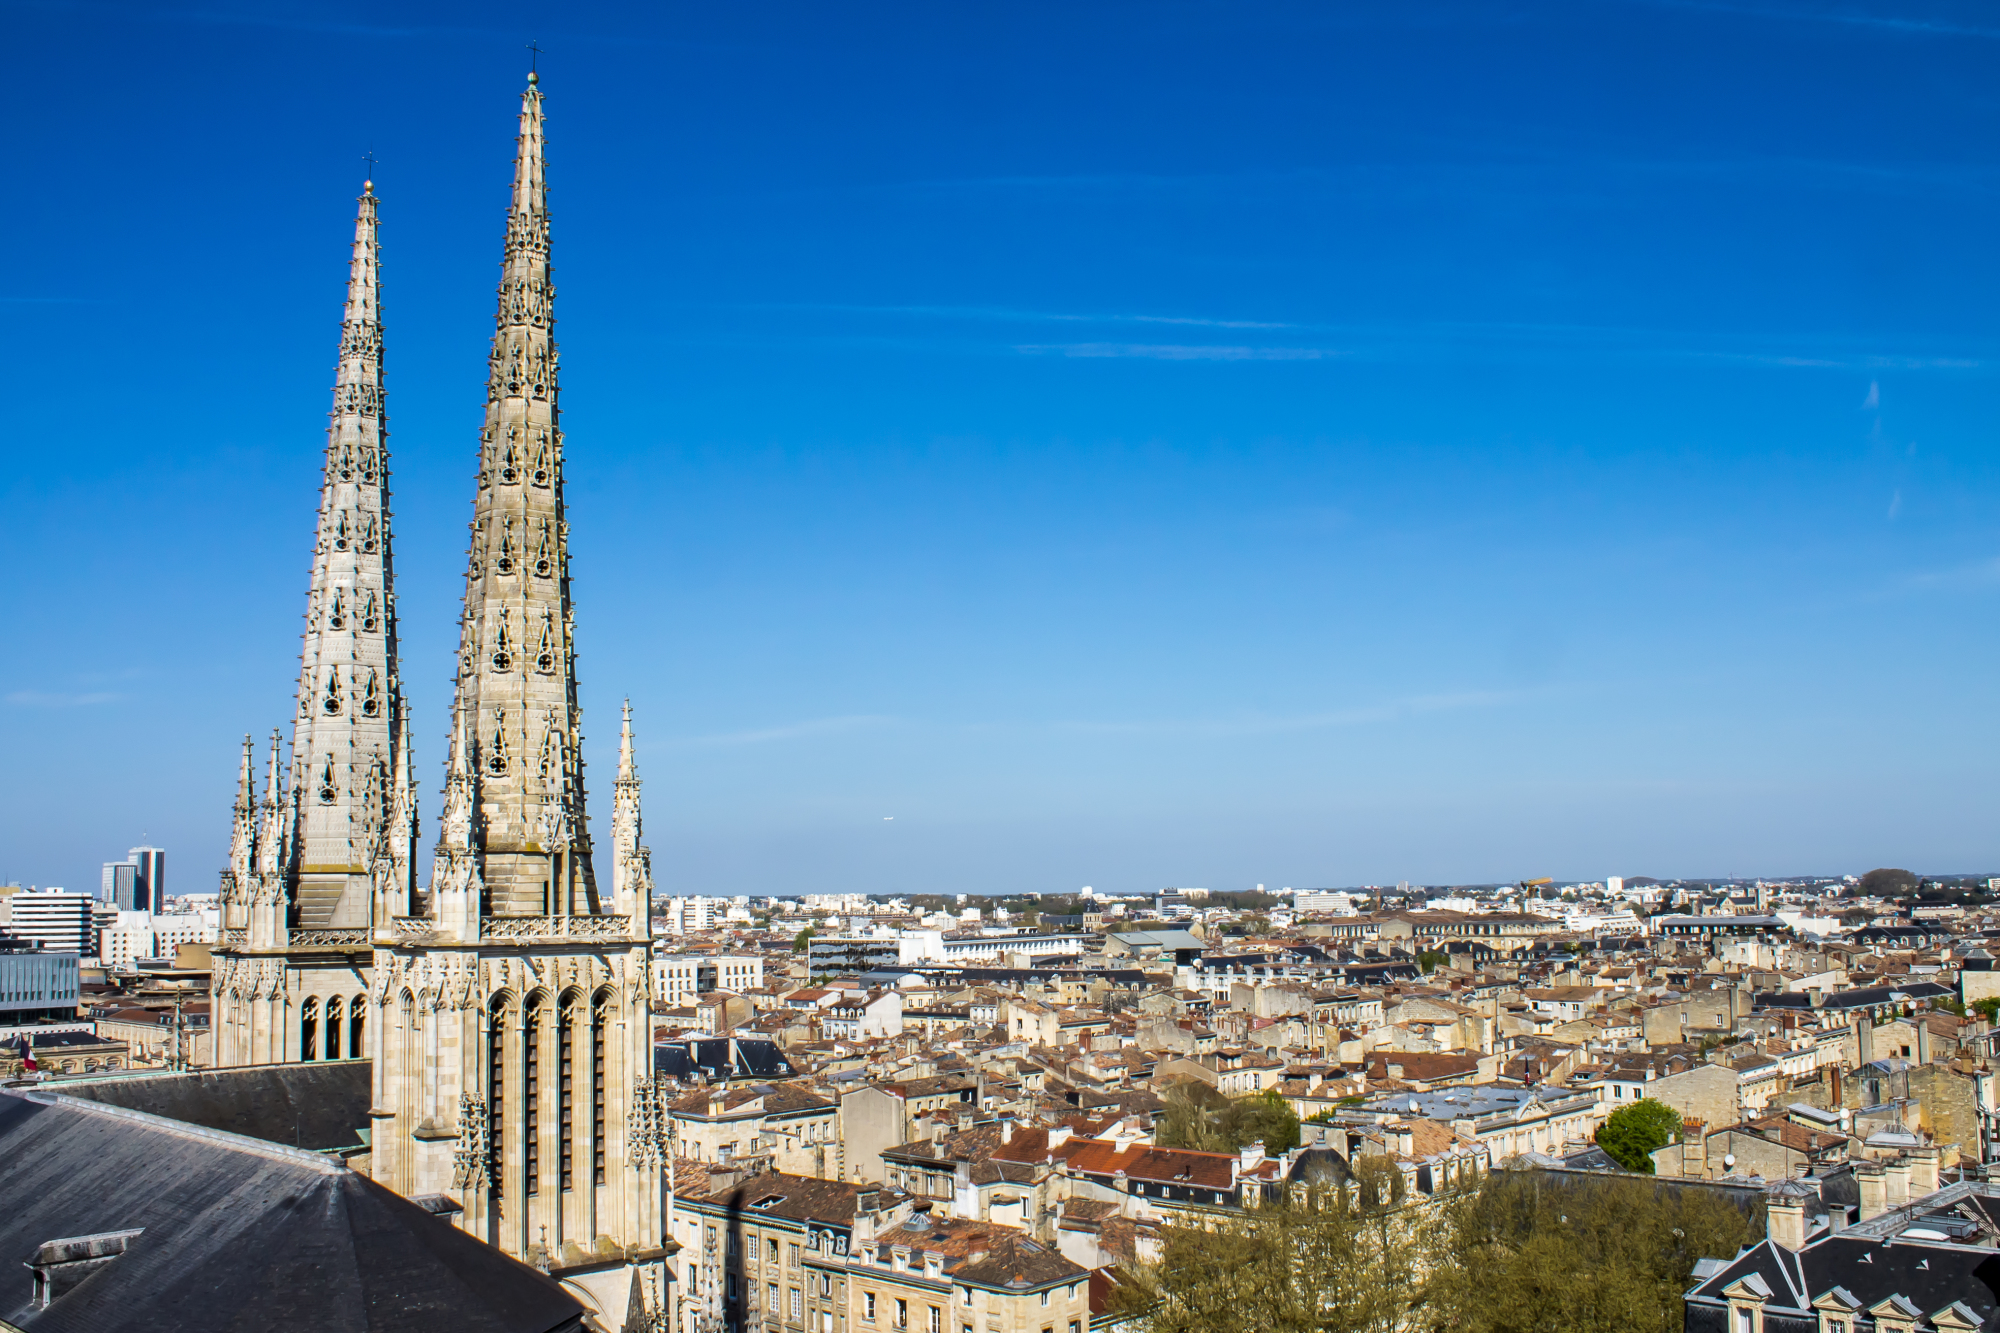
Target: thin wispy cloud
48	699
1176	352
246	19
1264	725
1423	341
1976	574
1845	17
823	726
1004	314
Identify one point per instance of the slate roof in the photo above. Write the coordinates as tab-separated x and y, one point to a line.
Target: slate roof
1929	1276
237	1234
315	1105
800	1198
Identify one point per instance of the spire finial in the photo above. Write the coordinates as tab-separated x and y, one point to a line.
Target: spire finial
368	186
534	59
271	774
626	770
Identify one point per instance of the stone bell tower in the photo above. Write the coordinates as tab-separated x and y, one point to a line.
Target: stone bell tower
326	856
514	1071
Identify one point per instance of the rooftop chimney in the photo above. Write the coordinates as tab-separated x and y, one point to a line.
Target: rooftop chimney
1897	1175
1923	1172
1694	1149
1785	1221
1874	1189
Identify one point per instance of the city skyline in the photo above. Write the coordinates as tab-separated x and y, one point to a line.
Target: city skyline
1147	520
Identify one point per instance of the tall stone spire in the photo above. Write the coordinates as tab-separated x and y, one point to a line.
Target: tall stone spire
349	727
515	715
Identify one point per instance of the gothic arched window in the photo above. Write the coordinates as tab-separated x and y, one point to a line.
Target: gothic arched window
599	1003
496	1087
531	1091
566	1091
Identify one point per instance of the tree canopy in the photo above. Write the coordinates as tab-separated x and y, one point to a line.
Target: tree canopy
1632	1133
1886	883
1522	1252
1198	1117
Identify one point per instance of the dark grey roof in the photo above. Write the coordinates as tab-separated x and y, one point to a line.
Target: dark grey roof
316	1105
721	1059
1929	1276
237	1234
1866	997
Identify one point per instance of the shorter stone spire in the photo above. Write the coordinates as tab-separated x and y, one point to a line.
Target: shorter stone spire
631	863
457	888
243	833
626	771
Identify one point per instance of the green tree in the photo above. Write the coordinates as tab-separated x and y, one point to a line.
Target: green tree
1198	1117
1631	1133
802	939
1884	882
1264	1118
1536	1253
1430	960
1331	1258
1188	1119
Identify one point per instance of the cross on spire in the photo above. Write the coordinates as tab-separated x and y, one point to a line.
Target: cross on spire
369	158
536	53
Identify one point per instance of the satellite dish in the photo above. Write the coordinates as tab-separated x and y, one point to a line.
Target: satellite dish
1729	1161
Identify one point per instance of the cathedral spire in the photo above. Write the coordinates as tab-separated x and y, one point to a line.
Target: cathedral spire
349	724
517	738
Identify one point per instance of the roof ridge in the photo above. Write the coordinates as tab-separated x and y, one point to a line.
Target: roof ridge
223	1138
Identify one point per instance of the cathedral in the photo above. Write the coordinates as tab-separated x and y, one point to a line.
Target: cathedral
506	1009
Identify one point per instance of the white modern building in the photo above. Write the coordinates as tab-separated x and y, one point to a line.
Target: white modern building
58	921
679	977
136	935
990	949
688	916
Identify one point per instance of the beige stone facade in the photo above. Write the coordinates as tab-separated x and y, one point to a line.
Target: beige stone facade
507	1013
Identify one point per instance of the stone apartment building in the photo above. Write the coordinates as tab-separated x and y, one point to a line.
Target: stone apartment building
781	1253
880	1115
780	1122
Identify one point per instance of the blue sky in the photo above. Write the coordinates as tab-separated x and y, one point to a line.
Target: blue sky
1127	444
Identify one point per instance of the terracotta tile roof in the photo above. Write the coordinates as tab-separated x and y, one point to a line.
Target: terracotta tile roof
1139	1161
982	1254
